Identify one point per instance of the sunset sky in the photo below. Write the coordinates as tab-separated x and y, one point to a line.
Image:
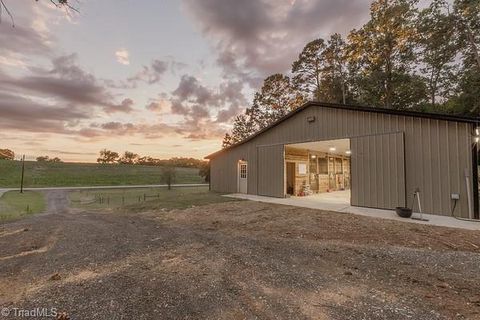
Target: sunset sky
161	78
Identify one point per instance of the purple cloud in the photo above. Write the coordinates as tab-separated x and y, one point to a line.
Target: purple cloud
254	39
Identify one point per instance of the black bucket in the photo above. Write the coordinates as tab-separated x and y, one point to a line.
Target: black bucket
404	212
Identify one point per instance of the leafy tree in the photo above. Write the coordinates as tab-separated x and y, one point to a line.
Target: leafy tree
333	83
255	116
128	158
467	101
107	156
146	160
7	154
168	175
307	69
183	162
467	21
438	49
276	98
204	171
467	18
384	51
320	72
48	159
227	140
403	57
243	127
411	90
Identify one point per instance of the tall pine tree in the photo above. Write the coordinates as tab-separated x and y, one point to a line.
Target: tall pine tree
276	98
333	84
307	69
383	49
438	49
467	21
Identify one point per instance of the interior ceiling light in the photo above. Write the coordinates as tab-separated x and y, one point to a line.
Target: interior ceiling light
348	152
313	156
332	149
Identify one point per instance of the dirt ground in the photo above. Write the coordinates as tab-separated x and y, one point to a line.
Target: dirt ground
237	260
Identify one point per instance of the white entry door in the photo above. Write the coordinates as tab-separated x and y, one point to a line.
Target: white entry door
242	177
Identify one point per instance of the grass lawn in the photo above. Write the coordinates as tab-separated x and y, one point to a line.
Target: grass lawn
14	204
47	174
144	199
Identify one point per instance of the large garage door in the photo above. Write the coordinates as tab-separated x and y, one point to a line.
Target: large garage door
378	171
270	171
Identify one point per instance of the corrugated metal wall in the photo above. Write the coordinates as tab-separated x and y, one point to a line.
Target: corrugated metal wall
437	152
271	170
378	171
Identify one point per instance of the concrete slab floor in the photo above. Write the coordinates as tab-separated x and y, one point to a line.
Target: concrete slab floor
339	201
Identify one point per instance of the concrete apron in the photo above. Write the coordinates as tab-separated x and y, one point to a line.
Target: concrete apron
339	202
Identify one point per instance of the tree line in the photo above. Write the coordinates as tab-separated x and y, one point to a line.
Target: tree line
48	159
7	154
404	58
168	165
108	156
111	157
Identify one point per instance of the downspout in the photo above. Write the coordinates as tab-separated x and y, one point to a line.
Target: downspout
475	157
469	195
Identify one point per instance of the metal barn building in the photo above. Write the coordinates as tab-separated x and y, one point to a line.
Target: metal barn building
376	157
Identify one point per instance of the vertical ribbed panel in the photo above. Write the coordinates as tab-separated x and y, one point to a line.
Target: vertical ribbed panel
271	171
378	171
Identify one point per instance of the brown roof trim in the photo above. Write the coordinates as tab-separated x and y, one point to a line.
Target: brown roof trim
417	114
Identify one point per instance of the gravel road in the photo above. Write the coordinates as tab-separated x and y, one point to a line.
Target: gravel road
238	260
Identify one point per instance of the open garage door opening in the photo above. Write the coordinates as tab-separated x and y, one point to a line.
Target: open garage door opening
319	170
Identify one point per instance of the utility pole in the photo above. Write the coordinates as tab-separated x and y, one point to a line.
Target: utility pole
23	171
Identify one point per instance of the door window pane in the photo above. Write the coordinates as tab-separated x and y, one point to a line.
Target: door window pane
243	171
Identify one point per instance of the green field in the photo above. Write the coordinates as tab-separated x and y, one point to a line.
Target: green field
47	174
144	199
14	204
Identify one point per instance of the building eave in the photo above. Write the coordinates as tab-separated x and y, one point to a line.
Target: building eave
407	113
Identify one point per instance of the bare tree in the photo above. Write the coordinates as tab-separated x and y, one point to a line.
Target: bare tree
57	3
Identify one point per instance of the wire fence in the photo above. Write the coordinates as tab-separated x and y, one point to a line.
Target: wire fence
96	198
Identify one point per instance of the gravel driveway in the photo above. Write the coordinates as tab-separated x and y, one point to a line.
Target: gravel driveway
238	260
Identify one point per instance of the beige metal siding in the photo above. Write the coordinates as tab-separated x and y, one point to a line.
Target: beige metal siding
378	171
437	152
224	170
271	170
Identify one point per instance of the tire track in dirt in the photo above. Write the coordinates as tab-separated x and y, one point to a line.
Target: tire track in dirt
57	202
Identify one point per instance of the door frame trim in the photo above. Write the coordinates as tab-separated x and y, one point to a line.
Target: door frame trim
286	162
239	163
